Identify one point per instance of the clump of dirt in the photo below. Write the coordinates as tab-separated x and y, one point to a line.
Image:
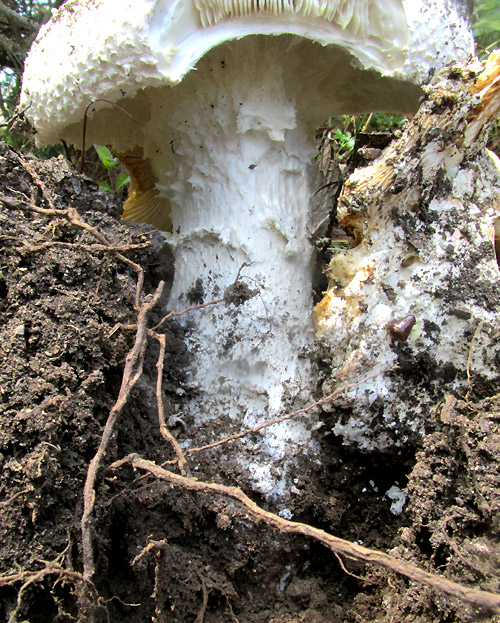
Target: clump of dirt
65	307
68	315
454	505
453	518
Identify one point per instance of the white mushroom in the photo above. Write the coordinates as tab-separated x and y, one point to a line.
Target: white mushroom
222	148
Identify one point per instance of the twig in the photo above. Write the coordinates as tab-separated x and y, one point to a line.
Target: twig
483	599
186	310
283	418
131	374
72	216
201	614
81	166
83	247
166	434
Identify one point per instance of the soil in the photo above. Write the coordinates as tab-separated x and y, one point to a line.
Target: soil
67	322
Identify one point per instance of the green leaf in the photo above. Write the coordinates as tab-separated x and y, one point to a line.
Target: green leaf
485	5
105	156
122	180
487	27
105	186
340	136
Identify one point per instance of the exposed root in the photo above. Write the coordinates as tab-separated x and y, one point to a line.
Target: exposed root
479	598
166	434
157	595
85	589
131	374
227	298
347	572
335	394
201	614
186	310
72	217
158	549
28	578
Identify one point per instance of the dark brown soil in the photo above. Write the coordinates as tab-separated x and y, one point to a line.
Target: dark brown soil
66	325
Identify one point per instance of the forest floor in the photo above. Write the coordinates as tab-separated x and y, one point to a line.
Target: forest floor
69	304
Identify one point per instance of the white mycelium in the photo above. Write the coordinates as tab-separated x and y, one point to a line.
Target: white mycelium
231	146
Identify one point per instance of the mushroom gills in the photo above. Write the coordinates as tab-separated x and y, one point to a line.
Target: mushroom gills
143	204
345	13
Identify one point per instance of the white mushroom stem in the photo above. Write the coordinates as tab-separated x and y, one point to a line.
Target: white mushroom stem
231	148
245	201
239	193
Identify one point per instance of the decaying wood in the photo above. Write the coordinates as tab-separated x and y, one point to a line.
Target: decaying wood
424	218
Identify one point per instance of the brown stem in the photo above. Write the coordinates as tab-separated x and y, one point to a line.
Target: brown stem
166	434
131	374
81	167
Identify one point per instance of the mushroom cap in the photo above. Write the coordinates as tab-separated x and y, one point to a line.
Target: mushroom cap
112	48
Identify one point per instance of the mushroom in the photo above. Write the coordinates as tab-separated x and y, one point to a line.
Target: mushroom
224	98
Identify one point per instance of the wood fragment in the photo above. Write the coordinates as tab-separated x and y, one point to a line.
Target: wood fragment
447	410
